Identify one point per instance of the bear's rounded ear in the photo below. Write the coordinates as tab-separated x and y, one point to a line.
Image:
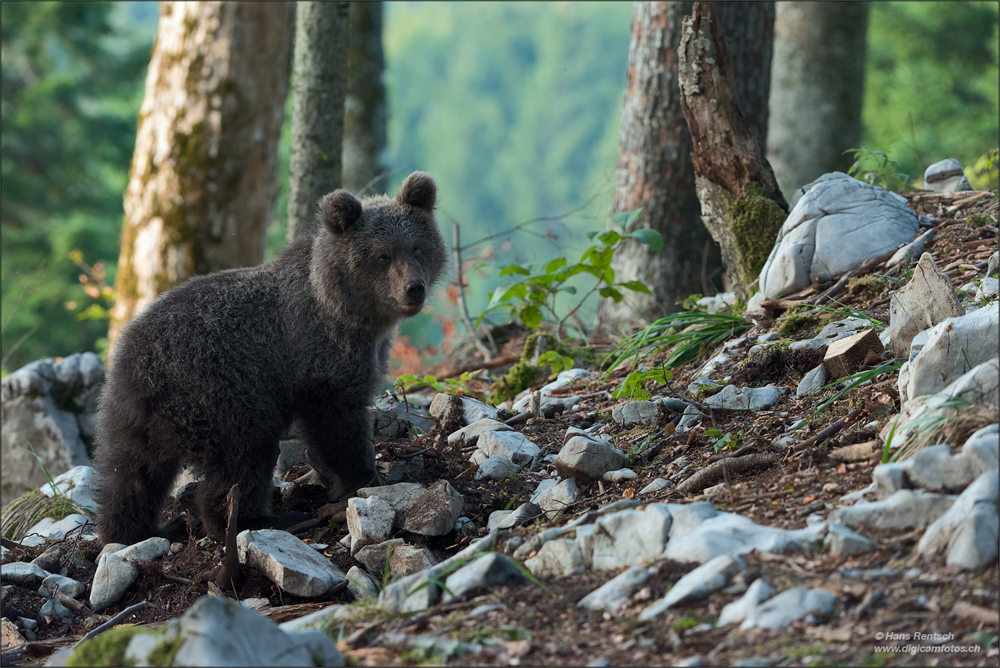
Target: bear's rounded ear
418	190
340	210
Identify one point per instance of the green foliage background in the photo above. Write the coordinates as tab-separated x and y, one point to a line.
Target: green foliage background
514	108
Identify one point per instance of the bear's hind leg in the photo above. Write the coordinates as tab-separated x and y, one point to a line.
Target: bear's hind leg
132	486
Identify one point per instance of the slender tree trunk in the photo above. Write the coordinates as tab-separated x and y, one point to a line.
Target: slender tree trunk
202	184
741	204
364	107
319	78
818	81
654	165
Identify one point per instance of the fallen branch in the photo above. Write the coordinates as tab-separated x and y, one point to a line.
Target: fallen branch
478	366
721	470
867	267
113	621
826	433
230	561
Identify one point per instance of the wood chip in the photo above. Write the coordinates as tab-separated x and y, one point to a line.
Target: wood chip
843	357
975	612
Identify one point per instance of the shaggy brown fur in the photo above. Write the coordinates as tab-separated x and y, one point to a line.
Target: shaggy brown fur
213	372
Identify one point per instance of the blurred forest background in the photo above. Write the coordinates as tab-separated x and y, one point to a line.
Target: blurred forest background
513	108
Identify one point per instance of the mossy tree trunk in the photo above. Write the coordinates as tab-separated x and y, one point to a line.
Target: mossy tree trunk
741	204
655	171
319	80
817	89
203	178
364	107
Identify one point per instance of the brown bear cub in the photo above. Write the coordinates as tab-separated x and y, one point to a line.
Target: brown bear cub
213	372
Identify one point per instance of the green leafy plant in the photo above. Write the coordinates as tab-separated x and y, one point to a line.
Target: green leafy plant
984	173
533	297
685	333
634	386
855	380
407	381
874	166
556	361
637	449
725	441
849	312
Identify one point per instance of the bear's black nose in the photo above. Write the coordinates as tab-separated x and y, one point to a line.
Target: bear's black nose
415	291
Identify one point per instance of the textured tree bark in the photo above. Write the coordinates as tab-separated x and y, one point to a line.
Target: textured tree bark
818	80
749	30
654	172
741	204
319	79
654	165
364	107
203	177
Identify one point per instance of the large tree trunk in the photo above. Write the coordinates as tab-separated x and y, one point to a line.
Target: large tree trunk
203	178
319	78
741	204
749	31
818	81
654	165
364	107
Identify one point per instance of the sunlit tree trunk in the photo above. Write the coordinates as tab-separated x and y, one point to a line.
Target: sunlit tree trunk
654	164
319	78
202	183
817	87
364	107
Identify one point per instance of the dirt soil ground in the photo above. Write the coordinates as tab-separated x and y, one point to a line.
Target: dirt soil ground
888	591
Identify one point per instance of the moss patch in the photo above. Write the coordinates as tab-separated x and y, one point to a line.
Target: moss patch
876	285
163	653
754	220
979	219
107	649
790	323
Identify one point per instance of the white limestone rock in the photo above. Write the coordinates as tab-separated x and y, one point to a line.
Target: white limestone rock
951	348
614	593
435	512
964	528
488	571
696	585
837	224
927	299
905	509
845	542
113	578
496	468
557	497
510	445
630	537
472	409
789	606
740	609
360	585
734	398
217	632
146	550
400	495
288	562
588	457
369	521
469	435
22	573
556	558
409	559
53	583
946	176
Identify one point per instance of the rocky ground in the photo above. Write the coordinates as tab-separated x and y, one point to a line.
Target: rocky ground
728	520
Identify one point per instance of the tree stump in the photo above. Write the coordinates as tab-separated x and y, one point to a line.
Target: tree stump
741	204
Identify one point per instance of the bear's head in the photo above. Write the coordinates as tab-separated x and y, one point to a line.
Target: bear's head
377	259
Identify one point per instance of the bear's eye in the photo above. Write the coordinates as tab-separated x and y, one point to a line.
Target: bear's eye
383	260
416	250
